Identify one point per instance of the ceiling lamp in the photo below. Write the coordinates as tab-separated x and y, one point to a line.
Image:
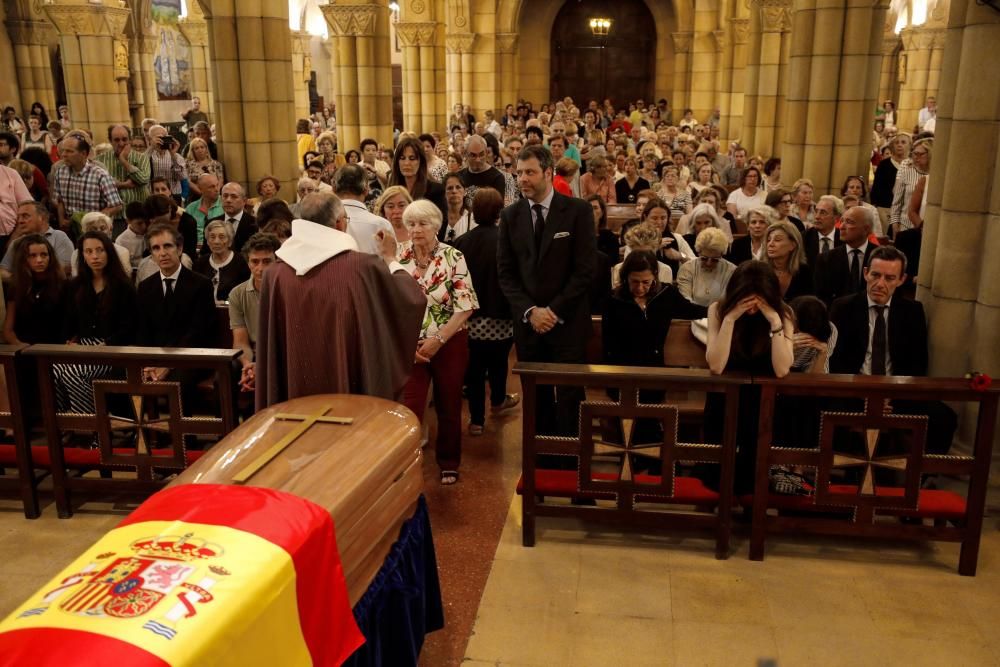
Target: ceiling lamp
600	27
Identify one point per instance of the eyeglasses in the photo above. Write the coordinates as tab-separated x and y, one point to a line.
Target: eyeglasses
709	260
508	164
785	201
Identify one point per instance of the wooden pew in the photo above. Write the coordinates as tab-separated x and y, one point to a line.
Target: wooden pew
14	419
624	488
150	460
618	215
864	507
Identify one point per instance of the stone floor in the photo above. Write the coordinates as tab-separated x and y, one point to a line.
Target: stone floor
585	595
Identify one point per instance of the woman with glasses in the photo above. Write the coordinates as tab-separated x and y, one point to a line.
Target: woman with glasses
782	202
704	280
749	195
672	194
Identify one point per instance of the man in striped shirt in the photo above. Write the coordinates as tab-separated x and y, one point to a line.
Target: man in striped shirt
129	169
81	186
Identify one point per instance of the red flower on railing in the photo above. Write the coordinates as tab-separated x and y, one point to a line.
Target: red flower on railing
979	381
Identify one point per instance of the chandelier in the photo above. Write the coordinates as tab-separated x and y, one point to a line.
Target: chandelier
600	27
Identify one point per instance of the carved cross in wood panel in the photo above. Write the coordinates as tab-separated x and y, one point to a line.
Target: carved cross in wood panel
140	424
869	461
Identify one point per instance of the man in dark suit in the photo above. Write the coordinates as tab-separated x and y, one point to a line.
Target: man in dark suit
840	272
881	335
234	201
822	237
176	307
546	258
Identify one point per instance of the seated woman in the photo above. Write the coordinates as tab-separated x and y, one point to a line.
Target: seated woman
443	351
815	335
224	267
677	198
390	205
786	256
627	189
754	244
643	236
607	240
704	280
702	217
100	310
703	179
749	331
713	196
748	195
34	294
598	180
674	250
95	221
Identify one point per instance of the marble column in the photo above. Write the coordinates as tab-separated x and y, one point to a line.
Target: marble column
95	60
764	97
833	80
300	75
459	68
682	71
195	29
30	39
890	70
364	71
959	277
734	59
254	110
921	46
419	64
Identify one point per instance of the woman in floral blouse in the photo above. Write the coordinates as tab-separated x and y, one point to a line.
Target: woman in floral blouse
443	351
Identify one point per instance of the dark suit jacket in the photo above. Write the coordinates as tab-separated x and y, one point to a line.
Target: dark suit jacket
740	251
907	331
247	228
811	242
833	273
188	321
559	276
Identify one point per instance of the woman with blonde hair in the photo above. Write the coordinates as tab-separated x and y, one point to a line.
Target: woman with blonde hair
644	236
786	255
326	142
704	280
803	206
200	162
598	180
390	205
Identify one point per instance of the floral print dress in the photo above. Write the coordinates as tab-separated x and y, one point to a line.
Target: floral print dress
446	282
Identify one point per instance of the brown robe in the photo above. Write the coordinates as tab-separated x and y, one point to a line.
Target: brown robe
347	326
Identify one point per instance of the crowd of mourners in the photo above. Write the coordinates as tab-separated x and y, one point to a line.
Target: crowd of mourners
133	236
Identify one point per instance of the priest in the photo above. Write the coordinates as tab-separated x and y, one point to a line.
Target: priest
333	319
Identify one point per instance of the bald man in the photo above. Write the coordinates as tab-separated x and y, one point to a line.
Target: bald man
208	206
480	173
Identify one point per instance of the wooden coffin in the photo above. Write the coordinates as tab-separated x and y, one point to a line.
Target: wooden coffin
367	473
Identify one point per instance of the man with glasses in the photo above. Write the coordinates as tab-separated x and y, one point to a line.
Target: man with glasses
480	173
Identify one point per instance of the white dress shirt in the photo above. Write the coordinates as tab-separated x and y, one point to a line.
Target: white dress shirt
362	225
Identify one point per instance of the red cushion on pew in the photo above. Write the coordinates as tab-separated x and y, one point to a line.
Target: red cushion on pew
563	483
931	504
76	457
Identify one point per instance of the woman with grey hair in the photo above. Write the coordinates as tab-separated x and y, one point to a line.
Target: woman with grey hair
786	255
95	221
702	217
443	349
704	281
225	268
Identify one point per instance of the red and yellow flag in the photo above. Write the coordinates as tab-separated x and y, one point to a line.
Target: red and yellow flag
198	574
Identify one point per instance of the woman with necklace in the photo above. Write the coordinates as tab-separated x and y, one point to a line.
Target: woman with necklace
443	350
786	257
225	268
459	214
704	280
628	188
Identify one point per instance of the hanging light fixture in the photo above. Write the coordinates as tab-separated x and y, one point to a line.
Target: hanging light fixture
600	26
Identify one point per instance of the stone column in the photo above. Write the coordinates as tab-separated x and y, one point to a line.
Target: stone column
254	100
364	71
704	62
734	57
459	68
419	90
147	101
764	93
30	40
890	71
959	277
300	76
833	79
508	62
682	71
921	46
195	29
95	60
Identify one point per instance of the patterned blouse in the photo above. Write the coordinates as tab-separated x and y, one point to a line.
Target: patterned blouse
446	282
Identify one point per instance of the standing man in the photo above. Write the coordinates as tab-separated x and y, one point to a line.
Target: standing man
928	114
839	272
208	206
80	186
350	182
129	169
13	191
734	172
480	173
194	113
164	162
244	302
234	201
546	260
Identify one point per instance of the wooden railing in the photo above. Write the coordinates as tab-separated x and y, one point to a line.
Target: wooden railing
151	411
14	419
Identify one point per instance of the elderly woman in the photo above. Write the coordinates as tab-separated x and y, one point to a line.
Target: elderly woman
803	206
704	179
304	140
491	331
224	267
643	236
672	194
704	280
702	217
906	180
201	162
754	244
460	219
786	255
598	180
327	145
95	221
443	351
267	188
748	195
715	197
390	205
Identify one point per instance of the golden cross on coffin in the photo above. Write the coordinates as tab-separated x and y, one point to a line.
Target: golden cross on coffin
307	421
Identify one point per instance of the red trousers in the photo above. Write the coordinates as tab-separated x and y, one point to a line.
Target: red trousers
447	369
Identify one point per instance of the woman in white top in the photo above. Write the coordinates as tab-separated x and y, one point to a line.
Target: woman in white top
704	280
749	195
459	214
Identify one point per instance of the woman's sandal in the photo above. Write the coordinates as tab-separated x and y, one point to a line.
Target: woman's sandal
449	477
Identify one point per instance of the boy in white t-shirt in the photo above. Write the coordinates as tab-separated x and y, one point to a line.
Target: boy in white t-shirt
134	236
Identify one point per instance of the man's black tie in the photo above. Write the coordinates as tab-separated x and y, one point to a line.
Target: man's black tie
878	342
169	293
539	225
855	270
826	246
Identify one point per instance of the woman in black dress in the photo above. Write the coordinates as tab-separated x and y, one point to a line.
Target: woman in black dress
223	266
34	294
409	169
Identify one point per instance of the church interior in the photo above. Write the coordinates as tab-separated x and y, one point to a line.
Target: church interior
530	575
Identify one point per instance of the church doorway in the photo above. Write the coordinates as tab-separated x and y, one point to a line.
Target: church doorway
619	65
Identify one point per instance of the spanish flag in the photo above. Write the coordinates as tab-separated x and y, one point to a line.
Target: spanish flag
199	574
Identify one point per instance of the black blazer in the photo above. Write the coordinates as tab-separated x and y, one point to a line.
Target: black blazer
188	321
833	273
811	242
801	284
559	276
247	228
740	251
907	331
435	194
633	337
480	249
